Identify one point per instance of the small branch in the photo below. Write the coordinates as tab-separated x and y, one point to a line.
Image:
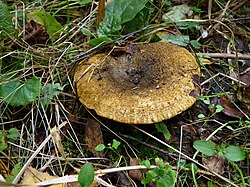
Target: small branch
225	55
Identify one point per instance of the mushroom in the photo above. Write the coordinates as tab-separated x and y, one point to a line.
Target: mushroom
150	83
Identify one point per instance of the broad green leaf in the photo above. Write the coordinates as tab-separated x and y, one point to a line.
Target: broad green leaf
100	147
234	153
51	25
118	12
14	172
161	127
83	2
16	93
138	22
176	39
86	175
6	24
115	144
205	147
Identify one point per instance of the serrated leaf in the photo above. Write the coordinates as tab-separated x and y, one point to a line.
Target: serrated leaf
234	153
49	91
86	175
14	172
118	12
205	147
51	25
6	24
16	93
161	127
176	39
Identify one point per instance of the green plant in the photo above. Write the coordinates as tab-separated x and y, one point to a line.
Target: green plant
212	106
114	146
163	175
17	93
86	175
10	135
208	148
117	13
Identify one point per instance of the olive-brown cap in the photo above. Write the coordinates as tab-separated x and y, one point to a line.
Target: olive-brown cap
150	83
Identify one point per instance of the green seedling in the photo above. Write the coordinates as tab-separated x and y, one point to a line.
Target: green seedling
163	175
208	148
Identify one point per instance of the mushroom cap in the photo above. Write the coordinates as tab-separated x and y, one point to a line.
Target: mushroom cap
153	82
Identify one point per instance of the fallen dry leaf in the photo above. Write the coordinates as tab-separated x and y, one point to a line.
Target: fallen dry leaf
228	108
35	33
135	174
32	176
214	163
93	136
243	93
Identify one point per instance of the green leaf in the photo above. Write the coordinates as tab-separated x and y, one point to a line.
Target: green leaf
178	12
83	2
145	181
234	153
6	24
205	147
161	127
49	91
115	144
100	147
168	180
201	116
13	133
205	100
147	163
3	144
219	108
16	93
14	172
176	39
96	41
86	175
118	12
159	162
195	44
51	25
